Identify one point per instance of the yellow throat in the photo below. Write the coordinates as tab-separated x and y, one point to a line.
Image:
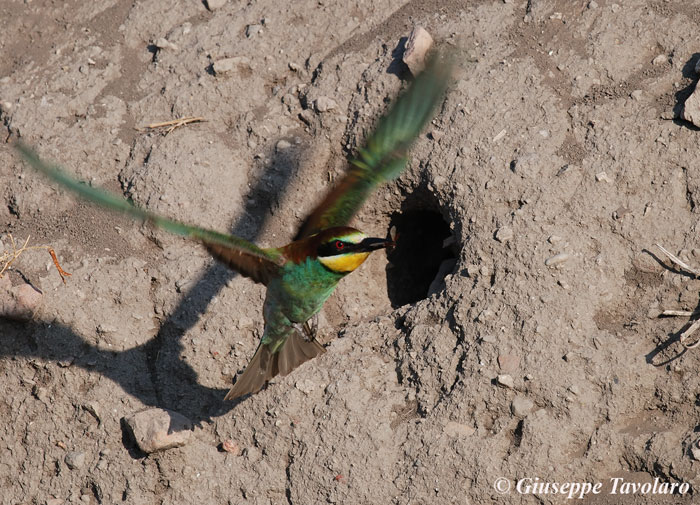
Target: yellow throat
344	262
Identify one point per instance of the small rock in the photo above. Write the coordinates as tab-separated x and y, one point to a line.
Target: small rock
602	177
490	339
695	450
18	302
454	429
660	60
504	234
159	429
557	259
526	165
592	4
499	135
231	447
554	239
521	406
438	282
75	460
505	381
436	134
324	104
282	145
691	108
252	30
509	363
417	46
229	64
575	389
636	94
55	501
163	43
215	4
306	386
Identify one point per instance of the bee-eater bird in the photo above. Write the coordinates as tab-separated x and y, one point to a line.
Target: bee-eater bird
301	275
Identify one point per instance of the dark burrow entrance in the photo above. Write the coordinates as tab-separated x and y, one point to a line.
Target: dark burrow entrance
423	243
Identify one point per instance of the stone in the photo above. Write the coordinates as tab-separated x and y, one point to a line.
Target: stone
228	64
454	429
417	46
282	145
324	104
75	460
508	363
215	4
252	30
691	108
660	60
557	259
159	429
521	406
504	234
505	381
163	43
18	302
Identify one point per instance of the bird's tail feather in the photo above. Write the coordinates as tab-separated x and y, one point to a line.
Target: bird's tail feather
267	364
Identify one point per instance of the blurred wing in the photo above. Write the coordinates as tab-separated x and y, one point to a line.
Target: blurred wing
239	254
386	152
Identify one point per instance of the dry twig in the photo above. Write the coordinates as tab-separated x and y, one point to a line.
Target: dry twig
685	336
8	257
175	123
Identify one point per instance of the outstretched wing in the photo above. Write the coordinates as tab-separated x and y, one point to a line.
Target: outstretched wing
386	152
239	254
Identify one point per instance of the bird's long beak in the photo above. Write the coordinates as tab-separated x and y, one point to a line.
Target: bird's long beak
372	244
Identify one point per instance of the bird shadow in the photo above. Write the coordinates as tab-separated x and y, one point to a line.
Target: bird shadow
155	372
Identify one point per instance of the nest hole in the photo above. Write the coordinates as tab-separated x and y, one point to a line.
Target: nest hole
423	256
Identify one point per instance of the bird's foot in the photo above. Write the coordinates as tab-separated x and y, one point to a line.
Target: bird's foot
309	329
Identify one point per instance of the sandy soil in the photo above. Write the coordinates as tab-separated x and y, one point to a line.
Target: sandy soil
559	135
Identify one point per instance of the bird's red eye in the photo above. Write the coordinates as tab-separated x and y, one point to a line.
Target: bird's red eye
339	245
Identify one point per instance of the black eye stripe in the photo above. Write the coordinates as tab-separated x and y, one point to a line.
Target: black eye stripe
335	247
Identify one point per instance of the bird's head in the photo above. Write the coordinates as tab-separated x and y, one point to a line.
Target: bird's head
344	249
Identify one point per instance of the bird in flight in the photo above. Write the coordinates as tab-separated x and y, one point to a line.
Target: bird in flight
300	276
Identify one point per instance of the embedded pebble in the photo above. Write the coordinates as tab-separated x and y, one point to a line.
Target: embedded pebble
324	104
557	259
159	429
509	363
229	64
695	450
231	447
417	46
163	43
602	177
636	94
489	339
660	60
504	234
75	460
521	406
282	145
252	30
18	302
215	4
691	108
454	429
505	381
